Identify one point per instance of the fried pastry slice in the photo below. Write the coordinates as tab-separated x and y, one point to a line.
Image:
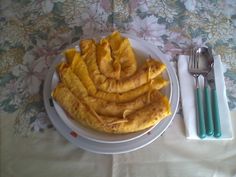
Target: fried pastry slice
122	54
84	114
150	70
108	66
70	53
71	81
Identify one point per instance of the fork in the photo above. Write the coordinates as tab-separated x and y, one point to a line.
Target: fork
193	68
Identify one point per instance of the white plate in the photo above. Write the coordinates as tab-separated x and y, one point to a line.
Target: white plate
116	147
142	52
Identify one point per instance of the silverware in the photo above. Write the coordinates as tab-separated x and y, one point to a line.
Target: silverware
196	71
215	108
205	63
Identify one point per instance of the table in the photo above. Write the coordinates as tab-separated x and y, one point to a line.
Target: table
33	32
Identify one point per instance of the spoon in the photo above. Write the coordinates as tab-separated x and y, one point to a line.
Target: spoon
205	64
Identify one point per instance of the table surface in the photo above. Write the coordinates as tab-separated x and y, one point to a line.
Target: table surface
34	32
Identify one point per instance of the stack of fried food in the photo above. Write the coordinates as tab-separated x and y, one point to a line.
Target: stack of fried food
102	87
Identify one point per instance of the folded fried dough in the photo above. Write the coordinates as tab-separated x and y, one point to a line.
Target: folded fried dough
150	70
102	88
73	83
107	65
79	67
83	113
122	54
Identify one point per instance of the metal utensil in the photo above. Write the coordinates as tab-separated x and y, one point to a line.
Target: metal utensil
196	71
205	64
215	108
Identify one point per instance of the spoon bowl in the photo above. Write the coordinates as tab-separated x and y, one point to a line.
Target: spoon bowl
204	59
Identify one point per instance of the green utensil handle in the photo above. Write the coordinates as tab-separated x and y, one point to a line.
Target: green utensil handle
209	120
201	121
216	116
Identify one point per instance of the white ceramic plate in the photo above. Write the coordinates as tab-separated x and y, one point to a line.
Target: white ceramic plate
120	145
142	52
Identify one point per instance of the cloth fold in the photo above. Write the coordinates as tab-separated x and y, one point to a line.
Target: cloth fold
187	85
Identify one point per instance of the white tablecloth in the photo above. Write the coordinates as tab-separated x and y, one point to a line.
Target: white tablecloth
41	155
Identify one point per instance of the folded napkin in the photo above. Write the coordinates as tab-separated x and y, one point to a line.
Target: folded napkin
187	85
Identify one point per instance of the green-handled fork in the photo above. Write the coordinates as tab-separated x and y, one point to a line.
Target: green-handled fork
195	71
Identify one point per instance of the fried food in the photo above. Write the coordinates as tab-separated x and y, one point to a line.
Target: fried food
107	65
84	114
79	67
115	56
101	87
101	106
149	71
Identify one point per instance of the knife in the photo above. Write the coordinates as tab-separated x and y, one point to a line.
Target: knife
215	108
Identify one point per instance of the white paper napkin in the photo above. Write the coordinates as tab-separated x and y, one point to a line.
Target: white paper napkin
187	85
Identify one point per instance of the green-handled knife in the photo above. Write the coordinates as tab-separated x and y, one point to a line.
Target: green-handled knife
215	108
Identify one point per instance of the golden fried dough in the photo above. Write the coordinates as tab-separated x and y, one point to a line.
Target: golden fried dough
107	65
139	120
149	71
70	53
79	67
71	81
122	54
103	89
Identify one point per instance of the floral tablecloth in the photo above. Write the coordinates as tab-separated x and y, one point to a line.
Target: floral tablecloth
33	32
